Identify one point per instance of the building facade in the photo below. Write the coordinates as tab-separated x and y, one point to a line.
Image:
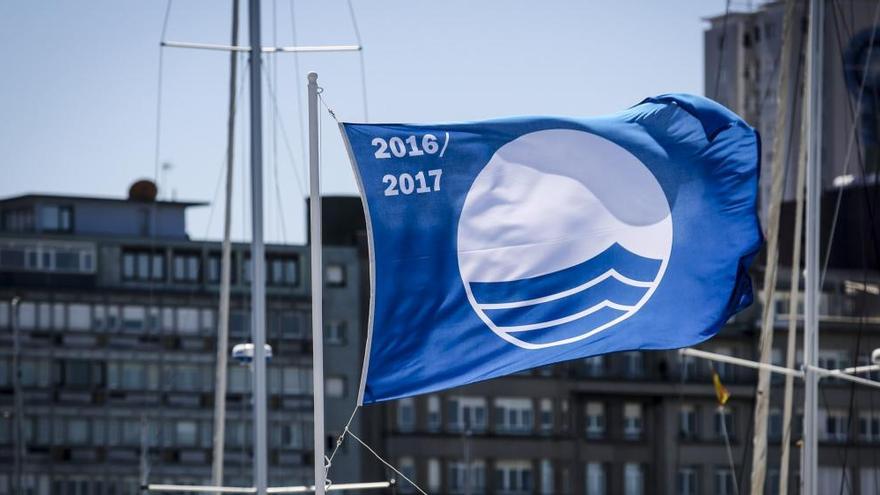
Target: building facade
742	69
116	315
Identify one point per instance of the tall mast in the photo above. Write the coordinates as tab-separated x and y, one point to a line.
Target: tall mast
811	273
225	272
317	274
258	257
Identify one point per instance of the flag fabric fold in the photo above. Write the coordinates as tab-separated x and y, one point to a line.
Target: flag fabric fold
504	245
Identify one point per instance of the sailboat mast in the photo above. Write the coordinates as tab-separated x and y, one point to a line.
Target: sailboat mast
258	257
811	275
225	272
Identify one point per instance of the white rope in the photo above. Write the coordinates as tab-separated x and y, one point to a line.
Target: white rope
388	465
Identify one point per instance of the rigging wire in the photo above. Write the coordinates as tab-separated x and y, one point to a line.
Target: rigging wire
837	16
286	141
297	85
851	141
273	70
160	77
361	63
240	92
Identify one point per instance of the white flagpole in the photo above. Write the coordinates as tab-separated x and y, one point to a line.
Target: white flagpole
315	244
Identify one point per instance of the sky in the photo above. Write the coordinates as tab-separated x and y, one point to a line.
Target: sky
79	97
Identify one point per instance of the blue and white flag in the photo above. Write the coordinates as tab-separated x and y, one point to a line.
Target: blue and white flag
503	245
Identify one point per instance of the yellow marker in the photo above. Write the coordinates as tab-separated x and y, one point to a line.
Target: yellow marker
721	391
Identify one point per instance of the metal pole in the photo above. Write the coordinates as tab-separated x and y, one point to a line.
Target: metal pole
258	257
317	285
811	274
225	273
19	398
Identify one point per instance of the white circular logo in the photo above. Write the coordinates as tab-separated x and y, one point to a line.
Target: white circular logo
563	234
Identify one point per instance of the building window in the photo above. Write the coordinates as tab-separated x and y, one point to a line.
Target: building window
408	468
434	413
79	317
724	421
869	426
633	479
467	479
724	482
547	477
595	419
406	415
186	267
433	475
595	479
297	381
634	364
282	271
335	387
774	424
187	320
594	366
143	265
687	481
632	421
335	332
186	433
334	275
78	431
546	416
513	415
835	425
513	477
687	421
467	413
292	435
19	220
55	218
215	267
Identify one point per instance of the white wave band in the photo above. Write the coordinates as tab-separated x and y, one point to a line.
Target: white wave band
611	273
552	323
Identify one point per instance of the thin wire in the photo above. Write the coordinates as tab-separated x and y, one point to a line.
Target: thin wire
850	142
240	91
284	137
339	440
361	63
329	110
387	464
274	82
160	77
298	88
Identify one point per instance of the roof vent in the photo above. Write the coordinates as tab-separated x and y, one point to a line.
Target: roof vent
143	190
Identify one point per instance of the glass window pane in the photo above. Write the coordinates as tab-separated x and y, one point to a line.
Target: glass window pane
79	316
49	217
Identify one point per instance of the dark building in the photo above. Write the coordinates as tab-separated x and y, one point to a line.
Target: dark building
117	320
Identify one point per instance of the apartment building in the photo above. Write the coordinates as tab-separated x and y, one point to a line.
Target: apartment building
117	319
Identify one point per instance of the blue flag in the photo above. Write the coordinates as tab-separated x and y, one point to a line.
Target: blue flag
503	245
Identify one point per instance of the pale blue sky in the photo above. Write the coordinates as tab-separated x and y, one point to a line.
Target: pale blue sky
78	95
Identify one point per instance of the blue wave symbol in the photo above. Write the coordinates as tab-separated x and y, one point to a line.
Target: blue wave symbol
570	302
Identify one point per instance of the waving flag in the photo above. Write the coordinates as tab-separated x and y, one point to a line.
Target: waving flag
503	245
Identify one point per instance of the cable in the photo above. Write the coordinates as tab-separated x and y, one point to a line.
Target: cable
357	36
299	184
387	464
850	142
